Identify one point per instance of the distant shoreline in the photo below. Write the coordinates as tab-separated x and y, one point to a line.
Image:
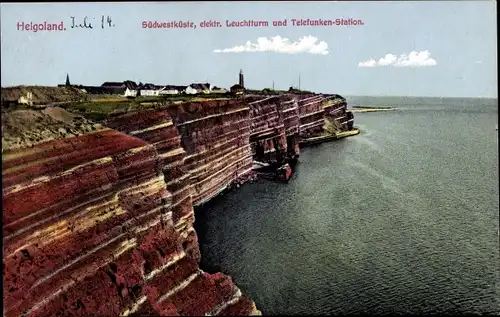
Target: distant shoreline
358	109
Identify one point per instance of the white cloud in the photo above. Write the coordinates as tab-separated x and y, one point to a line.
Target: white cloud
369	63
277	44
414	59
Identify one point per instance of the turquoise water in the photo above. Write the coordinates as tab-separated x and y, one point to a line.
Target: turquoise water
402	218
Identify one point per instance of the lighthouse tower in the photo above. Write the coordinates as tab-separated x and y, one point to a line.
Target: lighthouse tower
241	81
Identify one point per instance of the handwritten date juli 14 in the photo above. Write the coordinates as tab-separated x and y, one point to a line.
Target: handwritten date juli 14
90	23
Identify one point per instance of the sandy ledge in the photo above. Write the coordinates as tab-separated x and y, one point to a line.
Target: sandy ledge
325	138
359	110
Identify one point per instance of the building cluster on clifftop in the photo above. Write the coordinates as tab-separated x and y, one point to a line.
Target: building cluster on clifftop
129	88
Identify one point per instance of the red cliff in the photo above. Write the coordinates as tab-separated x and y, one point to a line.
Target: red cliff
215	135
98	219
312	115
274	125
335	108
93	227
204	146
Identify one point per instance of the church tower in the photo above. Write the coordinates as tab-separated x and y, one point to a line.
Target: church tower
241	82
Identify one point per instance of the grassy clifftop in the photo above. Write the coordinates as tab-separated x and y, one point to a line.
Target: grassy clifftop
23	128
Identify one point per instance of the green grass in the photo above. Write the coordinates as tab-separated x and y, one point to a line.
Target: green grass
96	116
105	107
99	110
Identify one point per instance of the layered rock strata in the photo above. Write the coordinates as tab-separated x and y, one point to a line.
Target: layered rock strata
89	229
335	108
289	112
295	117
268	133
215	135
323	114
204	146
98	219
155	126
312	115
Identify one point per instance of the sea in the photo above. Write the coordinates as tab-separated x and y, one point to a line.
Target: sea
400	219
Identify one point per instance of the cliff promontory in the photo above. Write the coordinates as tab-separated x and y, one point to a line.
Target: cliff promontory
99	197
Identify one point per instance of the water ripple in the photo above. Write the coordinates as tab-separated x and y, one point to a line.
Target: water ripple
379	223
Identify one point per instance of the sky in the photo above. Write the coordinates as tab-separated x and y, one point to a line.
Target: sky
404	48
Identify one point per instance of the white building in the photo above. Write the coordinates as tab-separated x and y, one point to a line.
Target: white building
148	90
169	90
190	90
217	90
26	100
130	92
205	88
